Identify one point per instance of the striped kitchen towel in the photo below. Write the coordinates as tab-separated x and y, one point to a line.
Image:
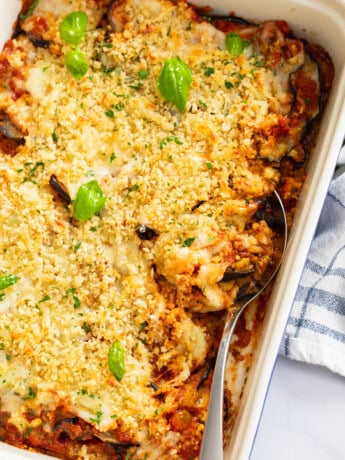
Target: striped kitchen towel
315	331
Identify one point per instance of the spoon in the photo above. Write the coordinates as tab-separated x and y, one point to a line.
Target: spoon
212	442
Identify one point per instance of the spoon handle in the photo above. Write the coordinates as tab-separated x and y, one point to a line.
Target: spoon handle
212	442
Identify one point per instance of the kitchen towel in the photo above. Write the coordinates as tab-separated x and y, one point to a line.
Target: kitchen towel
315	332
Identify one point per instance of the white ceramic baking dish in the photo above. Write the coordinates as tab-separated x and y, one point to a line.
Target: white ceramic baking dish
321	21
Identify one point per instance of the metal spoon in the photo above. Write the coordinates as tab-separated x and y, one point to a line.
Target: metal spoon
212	442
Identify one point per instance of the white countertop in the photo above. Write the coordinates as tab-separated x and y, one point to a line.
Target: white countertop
304	415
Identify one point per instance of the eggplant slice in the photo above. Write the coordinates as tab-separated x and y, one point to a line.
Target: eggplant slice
11	137
35	27
230	274
145	233
116	18
111	439
60	189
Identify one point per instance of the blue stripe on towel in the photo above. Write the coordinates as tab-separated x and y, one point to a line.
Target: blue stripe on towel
316	327
321	298
322	269
312	288
336	199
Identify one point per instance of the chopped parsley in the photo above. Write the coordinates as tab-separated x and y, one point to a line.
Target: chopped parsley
143	74
77	246
110	113
29	11
209	71
187	243
143	326
105	45
165	141
45	299
31	395
32	171
86	327
97	418
119	106
133	188
76	300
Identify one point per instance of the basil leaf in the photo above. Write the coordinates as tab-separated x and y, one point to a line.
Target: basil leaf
73	27
7	280
116	360
89	200
76	63
174	82
235	44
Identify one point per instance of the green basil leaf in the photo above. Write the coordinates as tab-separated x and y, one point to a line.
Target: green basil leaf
117	360
89	200
73	27
76	63
7	280
235	44
174	82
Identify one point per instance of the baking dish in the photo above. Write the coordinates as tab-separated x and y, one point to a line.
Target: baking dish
325	26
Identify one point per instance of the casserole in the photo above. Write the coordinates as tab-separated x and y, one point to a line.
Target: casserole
253	372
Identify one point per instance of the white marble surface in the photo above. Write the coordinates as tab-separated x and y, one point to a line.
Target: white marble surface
304	415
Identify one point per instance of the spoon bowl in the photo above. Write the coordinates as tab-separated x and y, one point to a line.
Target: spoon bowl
212	442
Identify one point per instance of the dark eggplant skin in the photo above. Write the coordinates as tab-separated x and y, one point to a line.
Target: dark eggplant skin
37	41
230	275
10	136
326	70
243	292
202	13
109	438
153	386
33	35
197	205
64	426
268	212
8	146
68	420
326	77
116	21
145	233
9	130
205	374
273	222
60	189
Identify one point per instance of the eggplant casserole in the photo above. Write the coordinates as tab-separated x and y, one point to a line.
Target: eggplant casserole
139	143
